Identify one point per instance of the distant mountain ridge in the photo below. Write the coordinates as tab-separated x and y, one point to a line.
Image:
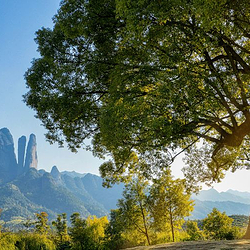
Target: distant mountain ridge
232	202
230	195
242	194
73	174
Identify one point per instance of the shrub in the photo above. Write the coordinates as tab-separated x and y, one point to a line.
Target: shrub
218	226
193	231
35	242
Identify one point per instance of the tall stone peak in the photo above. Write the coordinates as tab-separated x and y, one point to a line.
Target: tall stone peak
9	166
31	160
5	137
8	163
21	152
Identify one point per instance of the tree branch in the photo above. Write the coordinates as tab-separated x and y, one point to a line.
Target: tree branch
209	138
223	101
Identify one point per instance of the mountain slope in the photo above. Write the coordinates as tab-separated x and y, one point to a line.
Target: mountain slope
76	186
13	202
72	174
106	196
43	190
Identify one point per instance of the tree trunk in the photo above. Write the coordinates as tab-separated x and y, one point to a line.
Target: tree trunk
247	234
148	238
145	224
171	223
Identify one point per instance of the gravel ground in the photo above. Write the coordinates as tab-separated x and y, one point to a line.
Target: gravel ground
196	245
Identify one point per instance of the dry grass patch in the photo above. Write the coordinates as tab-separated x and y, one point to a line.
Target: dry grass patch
196	245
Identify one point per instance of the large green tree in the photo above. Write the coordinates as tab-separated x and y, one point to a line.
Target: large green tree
138	76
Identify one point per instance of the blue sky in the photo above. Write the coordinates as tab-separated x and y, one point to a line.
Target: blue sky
19	20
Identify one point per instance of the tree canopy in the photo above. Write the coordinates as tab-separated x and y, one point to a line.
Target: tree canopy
144	76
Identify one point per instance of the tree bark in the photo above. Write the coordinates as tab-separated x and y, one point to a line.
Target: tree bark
247	234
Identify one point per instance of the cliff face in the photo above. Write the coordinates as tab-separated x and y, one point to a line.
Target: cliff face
8	163
31	154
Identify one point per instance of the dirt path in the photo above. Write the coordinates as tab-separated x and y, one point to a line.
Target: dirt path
194	245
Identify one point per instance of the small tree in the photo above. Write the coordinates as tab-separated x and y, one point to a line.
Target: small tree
218	226
96	230
193	230
41	224
62	230
169	202
134	207
113	232
80	233
28	224
77	231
